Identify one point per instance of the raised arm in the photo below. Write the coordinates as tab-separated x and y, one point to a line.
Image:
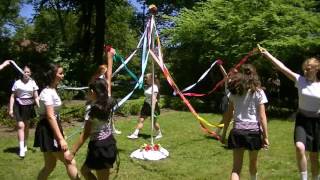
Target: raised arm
109	61
224	73
278	64
4	64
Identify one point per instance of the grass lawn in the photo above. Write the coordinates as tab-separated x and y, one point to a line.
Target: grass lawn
193	155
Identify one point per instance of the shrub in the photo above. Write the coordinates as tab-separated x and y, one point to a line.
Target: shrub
131	107
5	119
177	103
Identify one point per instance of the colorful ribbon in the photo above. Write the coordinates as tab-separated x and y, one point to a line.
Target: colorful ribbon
200	79
202	121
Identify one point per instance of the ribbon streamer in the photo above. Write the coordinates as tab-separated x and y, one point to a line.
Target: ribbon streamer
72	88
17	67
237	66
200	79
175	87
166	73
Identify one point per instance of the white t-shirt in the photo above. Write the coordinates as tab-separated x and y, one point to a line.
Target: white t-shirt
24	91
246	109
148	92
309	96
49	97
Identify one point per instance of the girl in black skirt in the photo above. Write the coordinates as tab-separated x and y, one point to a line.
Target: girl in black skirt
246	107
49	134
307	126
102	149
21	107
146	108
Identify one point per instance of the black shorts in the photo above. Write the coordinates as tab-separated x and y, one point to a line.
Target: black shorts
250	140
307	131
146	110
101	154
44	137
23	112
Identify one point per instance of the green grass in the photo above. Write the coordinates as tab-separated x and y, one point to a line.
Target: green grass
193	155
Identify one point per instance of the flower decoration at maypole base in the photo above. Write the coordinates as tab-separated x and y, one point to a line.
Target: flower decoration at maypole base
150	152
148	147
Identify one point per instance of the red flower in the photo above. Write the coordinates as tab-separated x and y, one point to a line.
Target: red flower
148	148
156	147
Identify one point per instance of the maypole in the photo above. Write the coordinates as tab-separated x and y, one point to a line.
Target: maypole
150	151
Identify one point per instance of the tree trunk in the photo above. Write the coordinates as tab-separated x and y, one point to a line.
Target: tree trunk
100	29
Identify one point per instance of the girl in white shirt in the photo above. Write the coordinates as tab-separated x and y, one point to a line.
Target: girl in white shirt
306	132
21	106
49	134
246	107
146	108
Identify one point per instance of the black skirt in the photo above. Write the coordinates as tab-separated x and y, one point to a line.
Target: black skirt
250	140
146	110
44	137
101	154
307	131
23	112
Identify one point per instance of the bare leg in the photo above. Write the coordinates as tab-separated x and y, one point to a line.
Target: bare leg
21	127
301	157
70	166
140	123
314	164
87	174
49	165
139	126
237	163
21	137
103	174
156	125
253	158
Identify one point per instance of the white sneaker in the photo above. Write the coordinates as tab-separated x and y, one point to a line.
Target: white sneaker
25	148
115	131
158	136
22	153
133	136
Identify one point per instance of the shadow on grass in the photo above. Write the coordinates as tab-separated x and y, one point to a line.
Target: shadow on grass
15	150
144	136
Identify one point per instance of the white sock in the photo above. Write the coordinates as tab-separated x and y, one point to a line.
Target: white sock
254	176
136	132
304	175
21	145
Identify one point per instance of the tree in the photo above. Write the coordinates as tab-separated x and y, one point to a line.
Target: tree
229	29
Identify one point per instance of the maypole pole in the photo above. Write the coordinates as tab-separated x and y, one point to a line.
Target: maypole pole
151	151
